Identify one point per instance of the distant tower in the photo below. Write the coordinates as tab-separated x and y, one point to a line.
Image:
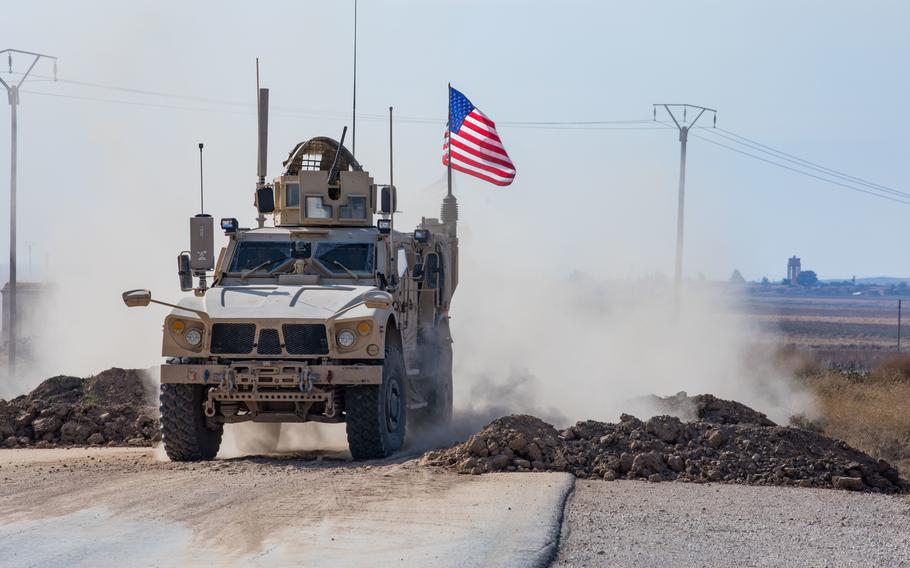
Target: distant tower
793	269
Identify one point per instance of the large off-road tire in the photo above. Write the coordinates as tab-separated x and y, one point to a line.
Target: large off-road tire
439	399
376	415
186	434
435	386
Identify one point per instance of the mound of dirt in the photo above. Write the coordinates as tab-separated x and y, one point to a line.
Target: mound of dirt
709	408
751	450
115	407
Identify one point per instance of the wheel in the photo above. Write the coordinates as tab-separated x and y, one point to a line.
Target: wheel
257	438
436	385
376	415
186	434
439	396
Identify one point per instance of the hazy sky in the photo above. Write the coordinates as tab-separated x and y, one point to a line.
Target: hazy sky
825	81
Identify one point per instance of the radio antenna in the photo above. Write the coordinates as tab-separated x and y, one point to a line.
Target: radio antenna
201	192
262	109
354	110
391	161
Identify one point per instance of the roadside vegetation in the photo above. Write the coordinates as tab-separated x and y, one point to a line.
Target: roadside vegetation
868	409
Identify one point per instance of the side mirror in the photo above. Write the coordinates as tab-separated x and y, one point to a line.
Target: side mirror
184	272
265	200
137	298
431	271
378	299
387	199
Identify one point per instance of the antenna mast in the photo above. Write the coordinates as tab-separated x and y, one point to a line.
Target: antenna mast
391	161
262	110
449	211
354	110
201	192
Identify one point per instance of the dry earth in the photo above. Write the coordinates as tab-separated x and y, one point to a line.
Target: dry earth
127	507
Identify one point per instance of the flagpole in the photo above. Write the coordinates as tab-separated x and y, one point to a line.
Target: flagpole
449	139
448	214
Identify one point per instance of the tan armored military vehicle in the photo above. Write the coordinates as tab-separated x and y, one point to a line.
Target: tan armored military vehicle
328	315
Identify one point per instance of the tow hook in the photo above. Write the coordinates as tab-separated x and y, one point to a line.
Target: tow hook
227	381
305	380
209	406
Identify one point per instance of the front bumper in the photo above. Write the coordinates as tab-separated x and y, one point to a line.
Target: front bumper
273	374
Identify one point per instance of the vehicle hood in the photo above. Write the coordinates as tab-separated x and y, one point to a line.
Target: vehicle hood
296	302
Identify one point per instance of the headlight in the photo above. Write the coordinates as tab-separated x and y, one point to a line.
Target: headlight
346	338
193	337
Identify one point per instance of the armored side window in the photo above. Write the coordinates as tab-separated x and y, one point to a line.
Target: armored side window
292	195
401	257
355	209
317	209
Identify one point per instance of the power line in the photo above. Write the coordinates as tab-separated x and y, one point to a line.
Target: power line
132	103
805	173
847	181
337	115
577	122
334	114
755	145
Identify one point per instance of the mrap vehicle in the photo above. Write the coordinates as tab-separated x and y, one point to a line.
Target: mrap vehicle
328	315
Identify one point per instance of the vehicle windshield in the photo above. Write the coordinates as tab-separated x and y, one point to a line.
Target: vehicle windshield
259	257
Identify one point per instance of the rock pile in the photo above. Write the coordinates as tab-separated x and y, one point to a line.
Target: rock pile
113	408
709	408
728	443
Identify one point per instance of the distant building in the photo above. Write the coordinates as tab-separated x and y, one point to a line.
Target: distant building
793	269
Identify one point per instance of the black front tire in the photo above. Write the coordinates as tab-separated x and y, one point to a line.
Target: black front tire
185	432
376	415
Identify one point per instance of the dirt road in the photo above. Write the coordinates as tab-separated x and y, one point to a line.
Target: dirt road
125	507
640	524
130	507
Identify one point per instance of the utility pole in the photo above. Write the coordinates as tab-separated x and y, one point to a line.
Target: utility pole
12	91
899	326
683	125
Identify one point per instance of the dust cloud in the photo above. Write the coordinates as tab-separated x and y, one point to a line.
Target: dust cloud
311	440
575	347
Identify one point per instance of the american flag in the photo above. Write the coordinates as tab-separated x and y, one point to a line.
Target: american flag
476	148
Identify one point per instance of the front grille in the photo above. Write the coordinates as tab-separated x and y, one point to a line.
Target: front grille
305	339
269	343
233	337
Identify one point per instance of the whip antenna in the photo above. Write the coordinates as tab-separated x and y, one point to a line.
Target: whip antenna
391	161
201	192
354	110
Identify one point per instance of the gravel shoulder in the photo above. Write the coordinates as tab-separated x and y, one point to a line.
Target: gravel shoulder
640	524
123	506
